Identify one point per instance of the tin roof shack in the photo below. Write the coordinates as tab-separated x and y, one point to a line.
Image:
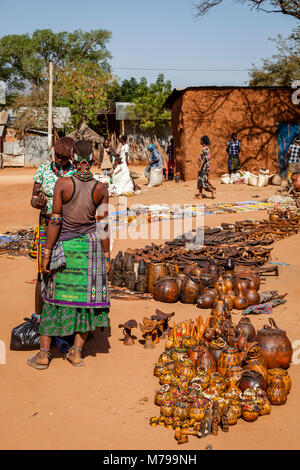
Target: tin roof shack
30	150
261	116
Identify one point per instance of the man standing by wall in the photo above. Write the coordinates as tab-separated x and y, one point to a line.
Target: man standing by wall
233	149
294	156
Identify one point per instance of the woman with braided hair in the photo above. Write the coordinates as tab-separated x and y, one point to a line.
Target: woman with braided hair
76	261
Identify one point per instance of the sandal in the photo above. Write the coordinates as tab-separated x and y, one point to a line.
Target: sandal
67	356
32	361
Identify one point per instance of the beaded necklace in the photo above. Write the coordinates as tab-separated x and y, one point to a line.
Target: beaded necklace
85	175
61	171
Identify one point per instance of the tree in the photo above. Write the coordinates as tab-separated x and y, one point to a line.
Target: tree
286	7
25	58
149	111
84	88
282	68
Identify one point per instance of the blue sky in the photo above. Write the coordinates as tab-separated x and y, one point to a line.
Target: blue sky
160	34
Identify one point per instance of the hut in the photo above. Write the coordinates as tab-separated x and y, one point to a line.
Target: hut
28	148
265	119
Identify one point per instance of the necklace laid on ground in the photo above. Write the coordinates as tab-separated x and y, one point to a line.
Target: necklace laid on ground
61	171
86	175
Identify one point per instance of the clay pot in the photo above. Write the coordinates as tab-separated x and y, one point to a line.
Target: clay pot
276	348
162	394
185	370
201	379
155	271
245	325
158	368
206	361
166	408
166	377
196	271
280	373
128	263
173	269
276	391
257	364
244	283
118	265
229	265
228	358
217	382
235	373
296	181
265	408
130	280
236	406
177	354
252	296
240	301
207	298
190	289
141	284
232	417
180	411
250	412
142	269
232	390
251	379
251	276
197	410
208	278
180	277
166	290
216	347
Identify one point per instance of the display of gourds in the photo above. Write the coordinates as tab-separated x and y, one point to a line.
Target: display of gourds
213	373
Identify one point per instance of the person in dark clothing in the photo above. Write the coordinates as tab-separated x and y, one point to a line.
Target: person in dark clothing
233	149
204	166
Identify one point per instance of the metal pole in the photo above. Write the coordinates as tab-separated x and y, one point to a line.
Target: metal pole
50	107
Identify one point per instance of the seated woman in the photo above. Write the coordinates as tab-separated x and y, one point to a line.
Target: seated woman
122	181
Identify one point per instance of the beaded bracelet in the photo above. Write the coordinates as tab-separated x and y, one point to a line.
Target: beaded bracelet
55	219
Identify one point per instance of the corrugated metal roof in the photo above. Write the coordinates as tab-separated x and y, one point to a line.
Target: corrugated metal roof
180	91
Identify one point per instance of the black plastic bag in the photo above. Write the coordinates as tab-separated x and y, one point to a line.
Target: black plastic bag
26	337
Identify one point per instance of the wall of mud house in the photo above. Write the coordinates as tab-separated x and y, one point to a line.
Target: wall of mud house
254	114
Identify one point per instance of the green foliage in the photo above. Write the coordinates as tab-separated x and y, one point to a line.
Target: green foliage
286	7
24	57
84	88
149	111
282	68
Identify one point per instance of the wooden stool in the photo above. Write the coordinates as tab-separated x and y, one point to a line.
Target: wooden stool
128	326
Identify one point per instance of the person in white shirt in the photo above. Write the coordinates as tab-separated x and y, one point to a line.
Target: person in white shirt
124	154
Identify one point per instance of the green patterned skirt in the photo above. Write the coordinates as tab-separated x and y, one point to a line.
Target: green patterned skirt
64	321
76	292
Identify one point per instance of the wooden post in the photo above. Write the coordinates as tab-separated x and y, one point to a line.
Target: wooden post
123	127
50	106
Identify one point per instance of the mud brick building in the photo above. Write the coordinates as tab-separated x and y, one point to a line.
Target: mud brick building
264	118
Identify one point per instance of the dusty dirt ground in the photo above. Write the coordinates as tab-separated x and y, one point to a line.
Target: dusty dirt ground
107	404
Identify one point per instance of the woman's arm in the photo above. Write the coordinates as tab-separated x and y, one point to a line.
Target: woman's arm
38	198
54	224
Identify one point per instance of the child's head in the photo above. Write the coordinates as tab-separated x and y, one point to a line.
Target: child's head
205	140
